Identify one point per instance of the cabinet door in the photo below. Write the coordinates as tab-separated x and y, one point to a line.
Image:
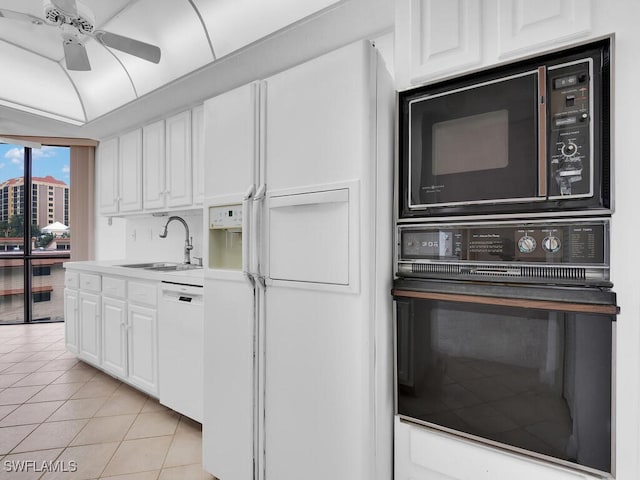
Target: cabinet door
153	155
89	323
131	171
436	37
114	338
179	176
197	150
71	319
142	354
107	176
231	141
525	26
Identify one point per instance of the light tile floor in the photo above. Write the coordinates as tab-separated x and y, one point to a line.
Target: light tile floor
57	413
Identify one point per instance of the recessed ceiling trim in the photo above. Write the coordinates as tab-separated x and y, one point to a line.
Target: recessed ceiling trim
22	47
40	112
75	88
133	85
35	110
204	27
124	7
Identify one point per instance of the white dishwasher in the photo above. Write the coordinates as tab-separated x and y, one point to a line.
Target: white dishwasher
180	348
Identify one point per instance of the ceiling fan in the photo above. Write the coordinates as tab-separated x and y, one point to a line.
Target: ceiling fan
76	23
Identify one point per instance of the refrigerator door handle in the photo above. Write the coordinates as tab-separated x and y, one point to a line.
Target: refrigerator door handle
256	233
246	233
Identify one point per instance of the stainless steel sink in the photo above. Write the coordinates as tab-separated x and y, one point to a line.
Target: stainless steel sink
162	266
173	268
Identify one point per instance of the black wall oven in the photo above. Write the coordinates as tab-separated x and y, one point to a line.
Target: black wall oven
529	137
530	373
505	335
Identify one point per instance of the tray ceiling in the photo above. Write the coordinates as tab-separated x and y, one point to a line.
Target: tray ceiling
190	33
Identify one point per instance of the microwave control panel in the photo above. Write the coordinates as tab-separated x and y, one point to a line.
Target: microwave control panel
576	243
569	88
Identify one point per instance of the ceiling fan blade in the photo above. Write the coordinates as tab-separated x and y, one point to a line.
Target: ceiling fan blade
21	17
143	50
75	56
66	6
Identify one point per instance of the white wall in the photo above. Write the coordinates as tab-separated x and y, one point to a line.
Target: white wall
144	243
622	17
110	237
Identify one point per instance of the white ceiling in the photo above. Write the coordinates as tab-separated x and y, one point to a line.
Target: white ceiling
191	34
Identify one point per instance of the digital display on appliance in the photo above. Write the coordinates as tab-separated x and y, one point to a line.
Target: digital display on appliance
560	244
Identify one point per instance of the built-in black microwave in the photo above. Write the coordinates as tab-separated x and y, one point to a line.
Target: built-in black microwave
530	137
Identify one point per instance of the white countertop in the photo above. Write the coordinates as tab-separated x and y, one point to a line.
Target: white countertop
114	267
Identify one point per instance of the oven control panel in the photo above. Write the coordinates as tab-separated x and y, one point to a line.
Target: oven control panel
576	248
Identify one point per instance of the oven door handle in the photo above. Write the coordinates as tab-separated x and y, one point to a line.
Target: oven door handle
542	132
510	302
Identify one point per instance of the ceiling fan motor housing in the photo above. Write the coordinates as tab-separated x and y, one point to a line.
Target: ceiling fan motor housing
83	20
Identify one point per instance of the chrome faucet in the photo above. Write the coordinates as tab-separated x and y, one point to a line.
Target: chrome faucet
188	243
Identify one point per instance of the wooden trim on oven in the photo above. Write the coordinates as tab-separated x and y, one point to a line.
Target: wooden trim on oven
511	302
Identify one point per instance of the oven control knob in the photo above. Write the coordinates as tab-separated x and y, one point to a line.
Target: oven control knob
569	149
527	244
551	244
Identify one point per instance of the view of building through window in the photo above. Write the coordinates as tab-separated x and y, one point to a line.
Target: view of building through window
35	194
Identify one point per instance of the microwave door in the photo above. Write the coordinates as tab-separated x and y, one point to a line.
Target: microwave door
477	144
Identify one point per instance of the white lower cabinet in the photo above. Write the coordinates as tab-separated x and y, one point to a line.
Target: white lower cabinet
111	323
71	319
114	336
89	327
143	357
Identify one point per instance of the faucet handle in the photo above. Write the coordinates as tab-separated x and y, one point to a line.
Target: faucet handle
197	261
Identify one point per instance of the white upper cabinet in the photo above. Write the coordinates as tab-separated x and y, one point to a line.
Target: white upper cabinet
130	155
167	163
157	167
439	38
436	37
119	174
153	165
197	153
107	171
178	172
525	25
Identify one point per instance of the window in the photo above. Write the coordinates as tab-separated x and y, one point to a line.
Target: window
31	272
41	297
40	270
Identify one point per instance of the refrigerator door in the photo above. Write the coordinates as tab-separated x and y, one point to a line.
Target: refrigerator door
318	330
317	124
230	395
228	426
231	141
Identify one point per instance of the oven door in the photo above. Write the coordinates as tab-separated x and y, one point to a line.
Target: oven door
477	144
523	368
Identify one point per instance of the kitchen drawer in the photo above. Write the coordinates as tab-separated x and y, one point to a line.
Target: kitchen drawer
71	279
90	282
114	287
143	293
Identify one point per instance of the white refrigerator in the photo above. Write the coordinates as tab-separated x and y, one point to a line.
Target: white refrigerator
298	354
